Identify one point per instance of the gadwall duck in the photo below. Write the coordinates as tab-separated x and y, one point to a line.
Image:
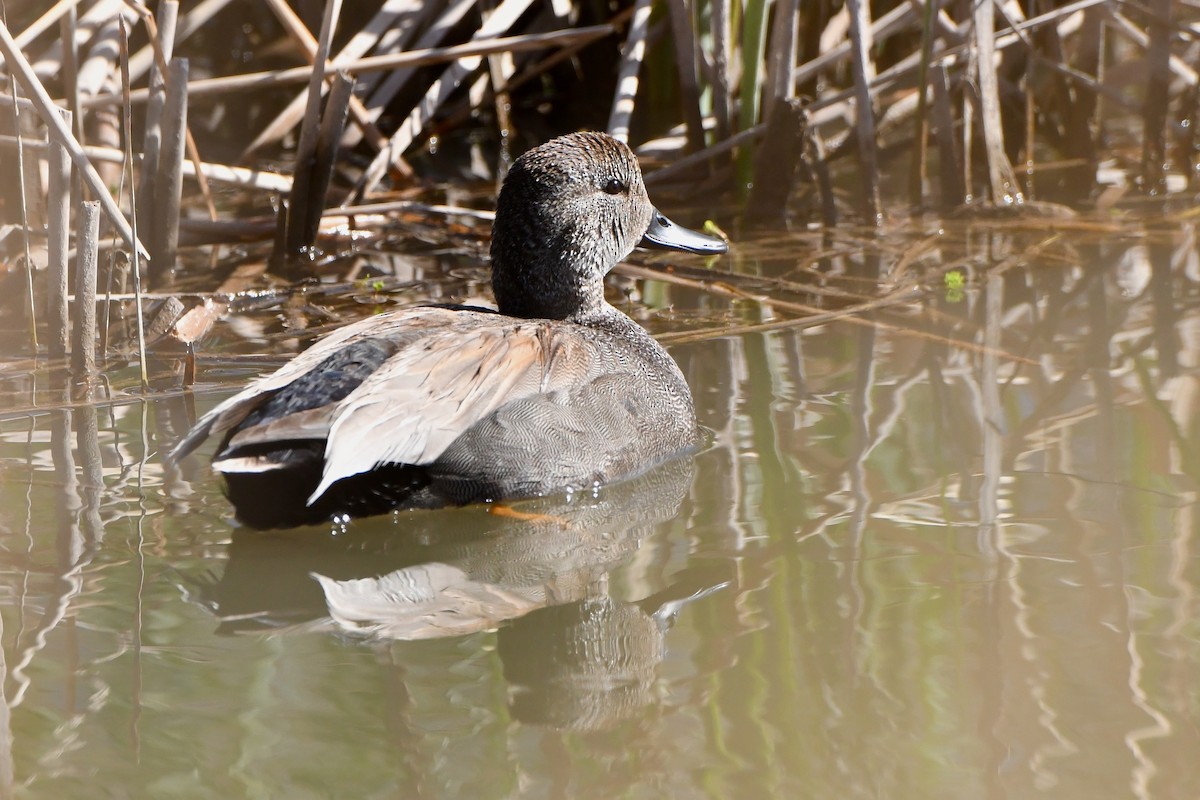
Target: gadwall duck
437	405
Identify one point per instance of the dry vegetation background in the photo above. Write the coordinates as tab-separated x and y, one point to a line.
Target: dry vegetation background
189	121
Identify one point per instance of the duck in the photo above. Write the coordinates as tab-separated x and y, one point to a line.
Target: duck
555	390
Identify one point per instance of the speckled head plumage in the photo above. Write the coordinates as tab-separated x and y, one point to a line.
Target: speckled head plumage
569	210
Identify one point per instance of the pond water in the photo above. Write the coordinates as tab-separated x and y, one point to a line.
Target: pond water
937	548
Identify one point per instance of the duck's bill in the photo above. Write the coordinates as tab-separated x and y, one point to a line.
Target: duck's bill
664	233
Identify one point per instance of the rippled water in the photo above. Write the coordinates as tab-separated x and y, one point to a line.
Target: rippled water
942	548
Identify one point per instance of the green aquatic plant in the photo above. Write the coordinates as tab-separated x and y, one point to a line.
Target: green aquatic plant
955	282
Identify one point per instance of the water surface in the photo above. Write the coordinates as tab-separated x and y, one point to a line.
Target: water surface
938	548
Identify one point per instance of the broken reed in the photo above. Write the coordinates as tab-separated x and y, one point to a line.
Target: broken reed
59	243
741	66
87	248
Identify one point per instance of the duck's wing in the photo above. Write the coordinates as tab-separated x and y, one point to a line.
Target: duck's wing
394	328
428	394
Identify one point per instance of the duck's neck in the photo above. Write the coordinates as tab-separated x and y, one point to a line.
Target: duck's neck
549	280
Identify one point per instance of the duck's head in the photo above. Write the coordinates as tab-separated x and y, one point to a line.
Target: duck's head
568	211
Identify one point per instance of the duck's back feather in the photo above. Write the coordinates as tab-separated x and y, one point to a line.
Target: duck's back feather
489	405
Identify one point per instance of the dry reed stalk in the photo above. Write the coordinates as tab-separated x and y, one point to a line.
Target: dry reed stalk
96	72
1003	180
168	181
168	12
775	163
279	240
781	55
466	110
707	154
818	165
750	90
501	68
919	169
1030	148
499	21
683	34
87	244
333	122
410	206
90	23
96	68
59	241
722	99
70	75
833	105
192	21
30	311
241	177
20	102
51	117
631	58
1084	120
43	23
864	73
894	21
192	151
136	266
287	120
302	176
333	221
1133	33
950	166
382	87
104	128
481	45
1157	98
968	128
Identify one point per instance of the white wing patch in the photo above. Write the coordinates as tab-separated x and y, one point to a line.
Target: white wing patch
230	412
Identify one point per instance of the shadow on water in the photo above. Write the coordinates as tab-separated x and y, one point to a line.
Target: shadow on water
938	548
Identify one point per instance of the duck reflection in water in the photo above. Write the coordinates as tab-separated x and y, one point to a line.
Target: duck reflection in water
446	405
574	655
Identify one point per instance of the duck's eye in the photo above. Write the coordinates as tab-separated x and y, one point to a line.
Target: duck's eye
614	186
